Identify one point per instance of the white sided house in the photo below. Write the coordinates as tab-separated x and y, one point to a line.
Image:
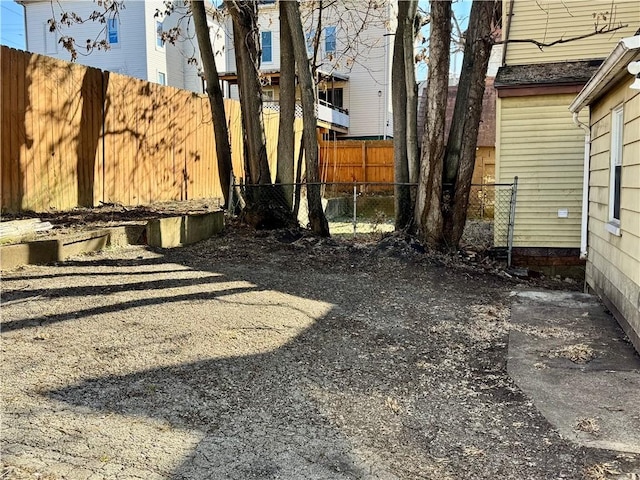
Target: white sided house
353	64
134	36
611	204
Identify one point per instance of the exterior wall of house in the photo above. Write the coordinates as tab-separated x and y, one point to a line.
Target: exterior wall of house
156	55
613	262
538	142
128	58
550	20
368	69
138	54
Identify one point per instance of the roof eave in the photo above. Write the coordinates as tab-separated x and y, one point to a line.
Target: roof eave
611	70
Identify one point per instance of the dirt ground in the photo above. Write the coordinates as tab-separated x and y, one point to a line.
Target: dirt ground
271	356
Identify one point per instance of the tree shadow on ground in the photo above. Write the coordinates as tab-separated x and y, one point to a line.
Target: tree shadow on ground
379	387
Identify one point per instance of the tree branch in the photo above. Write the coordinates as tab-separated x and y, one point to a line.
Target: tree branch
543	45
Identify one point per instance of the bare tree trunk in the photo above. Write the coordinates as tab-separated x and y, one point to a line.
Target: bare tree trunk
223	148
402	194
244	14
428	209
463	136
266	205
286	134
408	37
317	219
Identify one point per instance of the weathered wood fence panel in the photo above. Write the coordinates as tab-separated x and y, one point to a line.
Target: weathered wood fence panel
356	161
77	136
48	131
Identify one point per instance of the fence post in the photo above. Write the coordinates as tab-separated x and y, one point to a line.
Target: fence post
355	199
364	160
230	201
512	219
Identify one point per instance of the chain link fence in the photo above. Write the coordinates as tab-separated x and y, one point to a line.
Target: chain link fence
366	209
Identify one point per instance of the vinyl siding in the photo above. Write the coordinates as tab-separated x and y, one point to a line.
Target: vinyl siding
550	20
368	69
137	55
538	142
613	262
128	58
156	56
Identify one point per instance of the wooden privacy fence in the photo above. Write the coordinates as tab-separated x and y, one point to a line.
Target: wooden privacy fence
76	136
356	161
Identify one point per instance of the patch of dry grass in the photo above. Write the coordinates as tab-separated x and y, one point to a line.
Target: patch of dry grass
588	425
578	353
601	471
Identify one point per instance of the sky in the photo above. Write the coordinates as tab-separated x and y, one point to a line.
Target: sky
12	24
461	10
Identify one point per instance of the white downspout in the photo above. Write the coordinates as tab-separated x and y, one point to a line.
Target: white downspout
385	117
585	185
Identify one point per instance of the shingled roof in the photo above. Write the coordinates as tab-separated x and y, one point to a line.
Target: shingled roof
561	73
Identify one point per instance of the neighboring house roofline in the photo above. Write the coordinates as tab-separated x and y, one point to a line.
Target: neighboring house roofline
610	72
541	74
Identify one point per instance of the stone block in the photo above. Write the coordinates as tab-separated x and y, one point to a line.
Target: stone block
175	231
165	232
38	252
201	227
85	242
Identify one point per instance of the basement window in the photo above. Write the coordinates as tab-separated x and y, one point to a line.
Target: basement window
615	170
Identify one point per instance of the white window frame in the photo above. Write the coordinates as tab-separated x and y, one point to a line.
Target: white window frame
158	78
268	95
615	155
113	21
159	27
334	34
262	60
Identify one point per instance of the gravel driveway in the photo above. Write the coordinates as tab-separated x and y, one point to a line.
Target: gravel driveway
271	357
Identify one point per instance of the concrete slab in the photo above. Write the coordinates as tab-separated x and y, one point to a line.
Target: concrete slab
569	356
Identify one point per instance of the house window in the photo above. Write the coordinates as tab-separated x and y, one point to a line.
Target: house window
159	39
311	36
334	96
615	172
113	31
330	40
162	78
267	52
267	95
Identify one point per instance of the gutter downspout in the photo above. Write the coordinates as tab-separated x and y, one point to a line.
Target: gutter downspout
26	35
585	185
506	33
385	117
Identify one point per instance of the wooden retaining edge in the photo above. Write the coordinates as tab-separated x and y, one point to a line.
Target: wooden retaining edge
42	252
164	233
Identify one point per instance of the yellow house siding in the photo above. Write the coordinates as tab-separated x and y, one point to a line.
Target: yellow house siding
613	263
550	20
538	142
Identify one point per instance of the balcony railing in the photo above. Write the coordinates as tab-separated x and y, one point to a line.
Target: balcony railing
331	114
326	112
